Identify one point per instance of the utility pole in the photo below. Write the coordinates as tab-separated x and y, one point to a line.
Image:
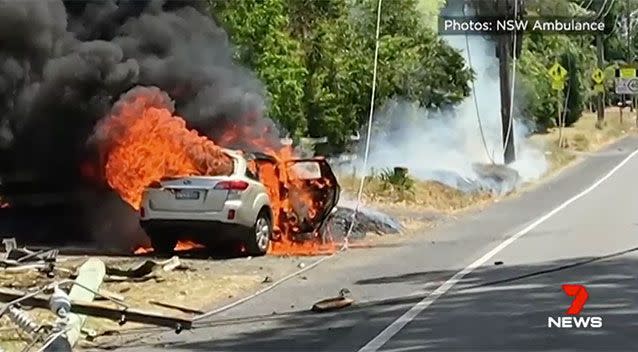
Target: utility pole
600	104
630	56
504	52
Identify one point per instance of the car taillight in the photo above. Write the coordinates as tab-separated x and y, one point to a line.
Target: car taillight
232	185
142	212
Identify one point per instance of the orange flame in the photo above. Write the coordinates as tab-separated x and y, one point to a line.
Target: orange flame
143	250
186	245
181	246
147	143
143	142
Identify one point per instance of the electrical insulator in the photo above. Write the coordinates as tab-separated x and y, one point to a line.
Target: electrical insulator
60	302
22	320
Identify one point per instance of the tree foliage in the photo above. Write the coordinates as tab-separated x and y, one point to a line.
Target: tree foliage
316	59
260	29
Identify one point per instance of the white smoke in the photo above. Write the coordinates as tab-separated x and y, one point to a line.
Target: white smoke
444	145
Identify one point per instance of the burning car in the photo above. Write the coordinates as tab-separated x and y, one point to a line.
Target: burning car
243	205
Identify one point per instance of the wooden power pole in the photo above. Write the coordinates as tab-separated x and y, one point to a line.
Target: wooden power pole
600	103
505	48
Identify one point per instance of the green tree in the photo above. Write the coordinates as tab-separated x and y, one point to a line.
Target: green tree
260	30
316	58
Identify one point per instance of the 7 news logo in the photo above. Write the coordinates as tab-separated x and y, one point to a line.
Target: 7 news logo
573	320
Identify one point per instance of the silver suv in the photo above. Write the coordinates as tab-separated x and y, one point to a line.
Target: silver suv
210	207
221	209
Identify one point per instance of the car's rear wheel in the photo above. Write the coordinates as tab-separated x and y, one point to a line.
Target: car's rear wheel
258	237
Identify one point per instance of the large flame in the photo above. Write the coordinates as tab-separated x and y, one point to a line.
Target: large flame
142	142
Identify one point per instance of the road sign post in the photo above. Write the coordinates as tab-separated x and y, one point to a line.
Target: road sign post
598	78
626	83
558	75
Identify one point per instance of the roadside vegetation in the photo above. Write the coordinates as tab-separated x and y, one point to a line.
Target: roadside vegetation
313	57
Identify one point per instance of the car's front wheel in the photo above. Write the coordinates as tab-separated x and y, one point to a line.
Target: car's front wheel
258	237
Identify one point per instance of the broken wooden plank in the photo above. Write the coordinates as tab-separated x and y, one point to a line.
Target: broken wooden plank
103	311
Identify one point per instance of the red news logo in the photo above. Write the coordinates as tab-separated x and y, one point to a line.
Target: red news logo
579	292
580	297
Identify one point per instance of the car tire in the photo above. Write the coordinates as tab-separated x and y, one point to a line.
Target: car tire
163	243
258	237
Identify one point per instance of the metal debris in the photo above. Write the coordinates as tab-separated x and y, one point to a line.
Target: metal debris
144	271
368	221
9	244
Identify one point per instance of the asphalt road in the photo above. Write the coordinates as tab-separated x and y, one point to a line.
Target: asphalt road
445	292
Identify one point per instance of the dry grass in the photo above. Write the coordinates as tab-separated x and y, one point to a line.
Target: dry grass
583	136
431	195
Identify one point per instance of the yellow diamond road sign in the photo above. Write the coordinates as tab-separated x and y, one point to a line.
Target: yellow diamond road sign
558	84
598	76
557	72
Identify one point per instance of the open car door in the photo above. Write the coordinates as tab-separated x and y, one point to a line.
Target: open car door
313	182
308	192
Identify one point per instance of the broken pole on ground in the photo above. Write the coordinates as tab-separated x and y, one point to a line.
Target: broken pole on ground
121	314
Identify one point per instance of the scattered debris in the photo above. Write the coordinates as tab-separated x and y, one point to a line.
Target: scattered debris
90	277
301	265
498	263
180	308
339	302
32	271
9	244
22	259
368	221
331	304
172	264
122	314
267	279
144	271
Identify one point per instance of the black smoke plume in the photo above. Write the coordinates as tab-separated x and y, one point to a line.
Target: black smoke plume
64	63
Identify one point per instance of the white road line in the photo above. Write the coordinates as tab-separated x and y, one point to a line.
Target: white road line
376	343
